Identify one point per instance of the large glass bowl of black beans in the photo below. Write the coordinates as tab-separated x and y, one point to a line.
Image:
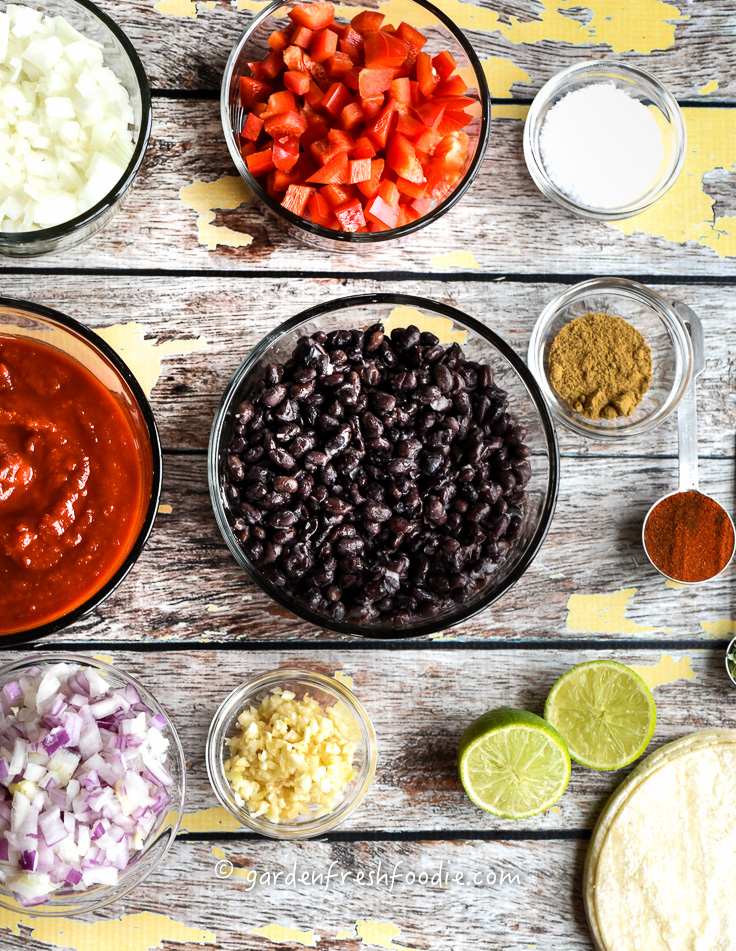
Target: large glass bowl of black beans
383	465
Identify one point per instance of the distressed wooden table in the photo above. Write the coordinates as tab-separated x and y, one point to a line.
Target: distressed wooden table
186	280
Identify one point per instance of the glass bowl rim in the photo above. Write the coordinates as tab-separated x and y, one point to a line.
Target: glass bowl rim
556	85
317	311
621	286
374	237
729	648
227	713
63	657
149	420
27	238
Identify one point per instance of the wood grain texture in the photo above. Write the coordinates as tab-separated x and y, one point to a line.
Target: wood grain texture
195	50
506	222
538	904
233	315
420	703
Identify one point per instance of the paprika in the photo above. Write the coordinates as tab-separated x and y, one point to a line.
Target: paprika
689	537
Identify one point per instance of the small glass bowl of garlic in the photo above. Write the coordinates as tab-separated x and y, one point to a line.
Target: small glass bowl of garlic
75	120
291	754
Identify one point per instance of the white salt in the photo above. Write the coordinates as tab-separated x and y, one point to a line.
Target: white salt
601	147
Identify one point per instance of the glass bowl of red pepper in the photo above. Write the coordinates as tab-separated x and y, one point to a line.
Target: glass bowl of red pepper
355	131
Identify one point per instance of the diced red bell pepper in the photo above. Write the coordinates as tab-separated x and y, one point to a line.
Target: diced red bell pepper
281	101
427	76
367	21
408	125
320	211
337	194
351	40
382	49
453	121
352	78
252	128
379	129
315	131
279	181
294	58
272	65
334	172
410	188
372	106
430	113
248	148
402	158
285	151
338	64
390	193
285	123
414	40
359	171
253	91
279	40
323	45
336	98
364	148
340	140
444	64
453	86
296	81
315	16
373	82
350	215
260	162
316	71
351	116
427	140
296	198
313	96
381	212
370	187
400	91
302	37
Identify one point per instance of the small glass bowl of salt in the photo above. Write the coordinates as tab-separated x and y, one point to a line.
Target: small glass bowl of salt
604	140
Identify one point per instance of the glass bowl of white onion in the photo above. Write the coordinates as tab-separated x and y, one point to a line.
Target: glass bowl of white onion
69	152
92	784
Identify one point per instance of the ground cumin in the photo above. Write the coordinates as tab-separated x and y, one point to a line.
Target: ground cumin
601	365
689	537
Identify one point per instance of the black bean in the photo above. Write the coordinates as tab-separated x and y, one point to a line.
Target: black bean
374	512
274	395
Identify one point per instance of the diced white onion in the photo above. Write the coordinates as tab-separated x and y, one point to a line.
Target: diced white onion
65	122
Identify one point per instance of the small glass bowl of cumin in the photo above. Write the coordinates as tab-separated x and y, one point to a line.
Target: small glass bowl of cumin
657	321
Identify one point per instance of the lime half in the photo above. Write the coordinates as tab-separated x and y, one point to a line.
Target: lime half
513	763
605	711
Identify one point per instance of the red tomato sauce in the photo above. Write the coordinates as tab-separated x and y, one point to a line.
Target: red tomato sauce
70	484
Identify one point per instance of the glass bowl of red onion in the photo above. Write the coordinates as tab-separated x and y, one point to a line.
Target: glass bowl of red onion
92	784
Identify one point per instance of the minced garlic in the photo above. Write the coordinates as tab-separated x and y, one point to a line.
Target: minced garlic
291	757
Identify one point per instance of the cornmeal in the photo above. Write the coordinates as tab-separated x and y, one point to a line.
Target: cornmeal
662	862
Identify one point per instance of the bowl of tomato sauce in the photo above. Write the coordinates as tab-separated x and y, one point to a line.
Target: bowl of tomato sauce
80	471
354	125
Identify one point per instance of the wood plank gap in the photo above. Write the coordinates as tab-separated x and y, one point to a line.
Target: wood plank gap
364	644
461	835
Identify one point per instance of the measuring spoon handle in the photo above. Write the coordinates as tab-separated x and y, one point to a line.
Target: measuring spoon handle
687	416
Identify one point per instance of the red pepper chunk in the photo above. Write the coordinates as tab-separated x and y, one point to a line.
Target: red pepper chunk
350	215
335	99
252	127
260	162
381	212
296	81
296	198
360	171
320	211
315	16
323	46
285	123
401	157
373	82
285	152
384	50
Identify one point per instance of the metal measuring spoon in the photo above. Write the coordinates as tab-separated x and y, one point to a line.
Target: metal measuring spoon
687	433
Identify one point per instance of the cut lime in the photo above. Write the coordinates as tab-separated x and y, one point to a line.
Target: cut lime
605	711
513	763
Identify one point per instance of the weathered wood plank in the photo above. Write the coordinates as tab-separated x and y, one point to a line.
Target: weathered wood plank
420	703
187	586
537	905
232	316
686	53
504	220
